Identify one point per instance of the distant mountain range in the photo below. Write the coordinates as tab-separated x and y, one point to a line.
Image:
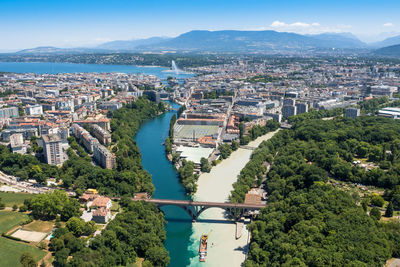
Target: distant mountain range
131	44
391	51
227	41
251	41
387	42
55	50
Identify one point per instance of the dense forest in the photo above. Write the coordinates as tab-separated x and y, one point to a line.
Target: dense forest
308	222
138	231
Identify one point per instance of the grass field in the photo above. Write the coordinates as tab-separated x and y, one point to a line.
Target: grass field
40	226
9	199
11	251
9	219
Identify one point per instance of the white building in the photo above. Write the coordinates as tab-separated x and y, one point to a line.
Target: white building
34	110
17	143
389	112
53	149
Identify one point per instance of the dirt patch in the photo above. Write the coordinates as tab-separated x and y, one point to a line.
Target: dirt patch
30	236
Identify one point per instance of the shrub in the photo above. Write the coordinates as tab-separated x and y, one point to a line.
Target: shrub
375	213
377	200
23	208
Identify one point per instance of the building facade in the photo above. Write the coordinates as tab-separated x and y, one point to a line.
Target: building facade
53	149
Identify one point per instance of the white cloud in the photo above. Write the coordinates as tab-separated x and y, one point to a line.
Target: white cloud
280	24
306	28
388	24
277	24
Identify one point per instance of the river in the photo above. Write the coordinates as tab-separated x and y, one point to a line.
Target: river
149	138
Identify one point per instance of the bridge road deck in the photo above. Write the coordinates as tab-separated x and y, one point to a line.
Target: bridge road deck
195	208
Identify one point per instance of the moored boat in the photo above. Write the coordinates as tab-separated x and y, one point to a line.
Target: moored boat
203	248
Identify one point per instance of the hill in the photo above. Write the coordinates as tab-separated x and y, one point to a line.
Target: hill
340	40
131	44
391	51
395	40
219	41
251	41
46	50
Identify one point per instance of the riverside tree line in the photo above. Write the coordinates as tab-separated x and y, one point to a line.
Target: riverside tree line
309	222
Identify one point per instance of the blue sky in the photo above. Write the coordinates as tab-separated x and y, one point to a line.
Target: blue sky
31	23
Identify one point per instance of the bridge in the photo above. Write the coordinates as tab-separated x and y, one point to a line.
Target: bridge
195	208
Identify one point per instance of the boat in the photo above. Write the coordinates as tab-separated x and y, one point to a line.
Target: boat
203	248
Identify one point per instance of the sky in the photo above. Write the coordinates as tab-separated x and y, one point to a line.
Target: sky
85	23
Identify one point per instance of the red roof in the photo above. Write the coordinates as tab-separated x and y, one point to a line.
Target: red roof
101	202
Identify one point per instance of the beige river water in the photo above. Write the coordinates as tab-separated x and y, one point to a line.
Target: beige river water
223	248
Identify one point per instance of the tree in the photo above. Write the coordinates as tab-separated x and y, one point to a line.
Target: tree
70	209
396	201
14	207
76	226
187	177
23	208
375	213
225	150
61	256
234	145
49	205
364	204
389	210
205	165
79	192
158	256
377	200
27	260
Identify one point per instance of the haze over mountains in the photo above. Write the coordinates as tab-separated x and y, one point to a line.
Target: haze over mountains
229	41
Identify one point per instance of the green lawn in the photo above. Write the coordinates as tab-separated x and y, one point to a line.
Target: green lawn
10	199
9	219
40	226
11	251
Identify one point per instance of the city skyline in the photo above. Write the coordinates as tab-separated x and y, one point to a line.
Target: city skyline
73	24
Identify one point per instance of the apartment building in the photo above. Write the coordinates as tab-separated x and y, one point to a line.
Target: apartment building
53	149
102	135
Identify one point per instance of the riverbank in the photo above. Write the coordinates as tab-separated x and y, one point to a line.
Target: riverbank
224	249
